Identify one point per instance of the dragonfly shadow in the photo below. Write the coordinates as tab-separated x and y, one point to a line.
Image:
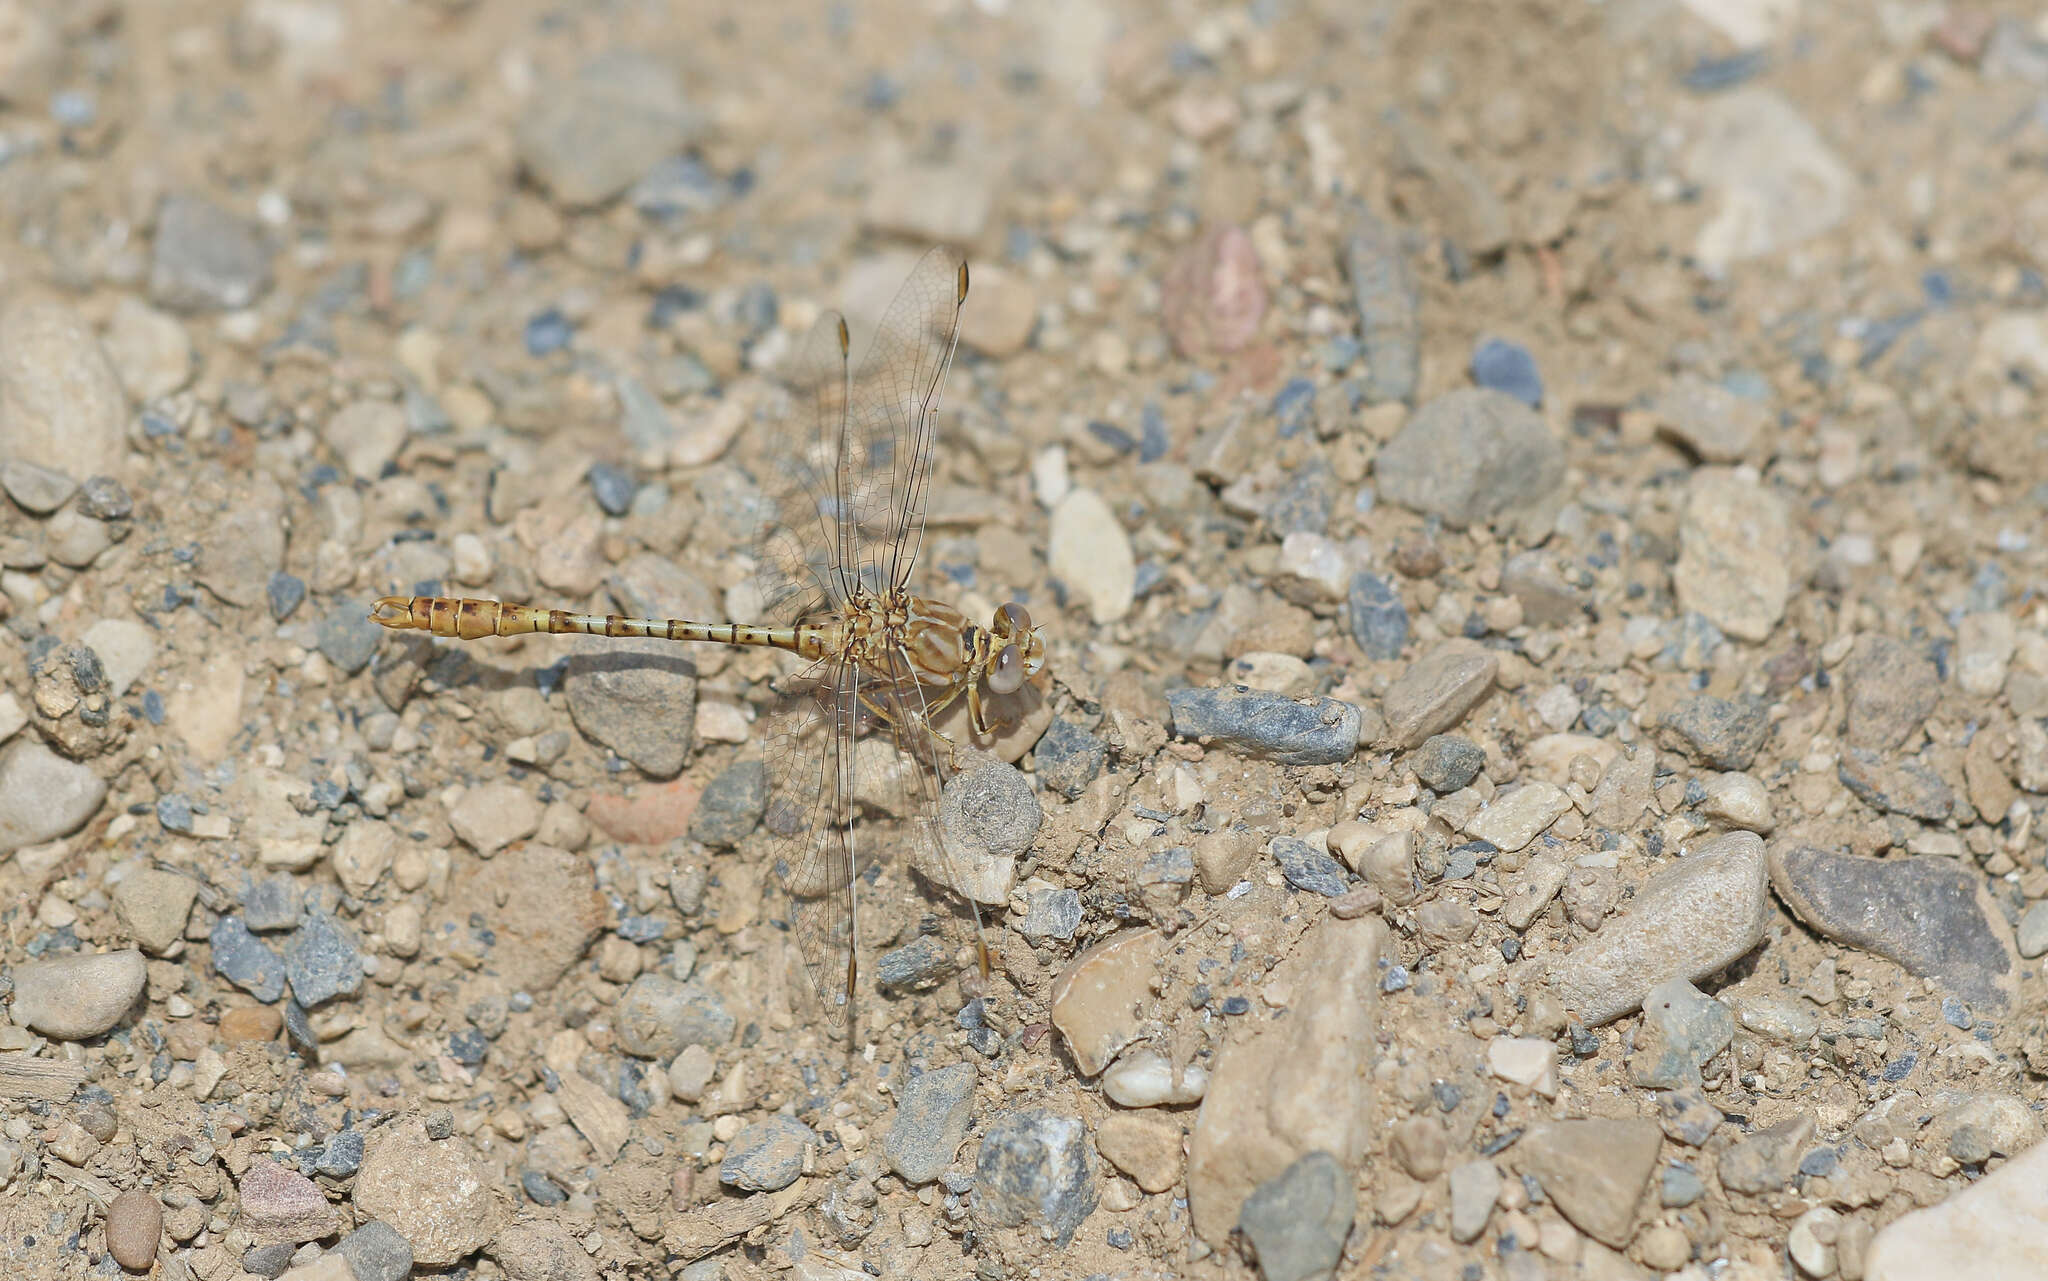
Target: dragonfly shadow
452	668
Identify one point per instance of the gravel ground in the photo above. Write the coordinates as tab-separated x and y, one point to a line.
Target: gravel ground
1537	515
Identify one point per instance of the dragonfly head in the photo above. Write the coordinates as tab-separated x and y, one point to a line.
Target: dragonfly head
1020	653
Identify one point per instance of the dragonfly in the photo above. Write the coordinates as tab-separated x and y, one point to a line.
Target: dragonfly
855	765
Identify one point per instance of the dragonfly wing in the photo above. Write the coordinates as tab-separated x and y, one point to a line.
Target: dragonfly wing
891	421
809	820
801	538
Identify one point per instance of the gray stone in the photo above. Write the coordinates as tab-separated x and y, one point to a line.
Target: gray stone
591	138
1050	913
347	636
205	258
1067	757
1716	424
1691	919
322	961
1470	456
1377	616
104	498
1261	723
1475	1187
1546	599
1680	1185
767	1156
1720	733
1297	1221
1931	914
269	1261
1682	1028
658	1017
732	806
988	818
922	962
612	486
1766	1160
1447	762
1890	689
1165	876
285	592
932	1112
1389	307
1687	1115
271	904
246	961
1035	1171
1437	691
61	405
1895	786
376	1252
1781	1018
125	648
2032	935
1308	868
338	1158
997	808
42	795
36	489
639	699
78	997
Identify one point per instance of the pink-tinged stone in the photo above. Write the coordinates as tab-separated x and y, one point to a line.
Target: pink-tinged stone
283	1205
1214	294
649	816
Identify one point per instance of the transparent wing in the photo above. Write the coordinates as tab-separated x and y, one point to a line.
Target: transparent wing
853	780
891	423
810	821
801	540
844	486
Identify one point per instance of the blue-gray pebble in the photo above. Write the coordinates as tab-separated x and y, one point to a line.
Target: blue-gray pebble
322	961
376	1251
1308	868
1379	619
1034	1170
932	1112
766	1156
246	961
1262	723
1508	367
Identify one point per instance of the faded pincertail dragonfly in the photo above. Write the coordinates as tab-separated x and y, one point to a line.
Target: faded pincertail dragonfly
843	521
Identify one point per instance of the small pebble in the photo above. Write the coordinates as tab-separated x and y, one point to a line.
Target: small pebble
767	1156
1297	1221
932	1113
285	593
135	1221
1034	1170
1508	367
376	1252
78	997
1260	723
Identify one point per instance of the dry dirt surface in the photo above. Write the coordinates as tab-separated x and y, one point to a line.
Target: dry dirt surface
1537	515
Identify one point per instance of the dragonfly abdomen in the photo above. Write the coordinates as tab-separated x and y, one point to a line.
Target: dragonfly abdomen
469	619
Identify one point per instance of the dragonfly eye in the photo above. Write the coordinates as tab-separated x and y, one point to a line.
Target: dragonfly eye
1013	620
1007	675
